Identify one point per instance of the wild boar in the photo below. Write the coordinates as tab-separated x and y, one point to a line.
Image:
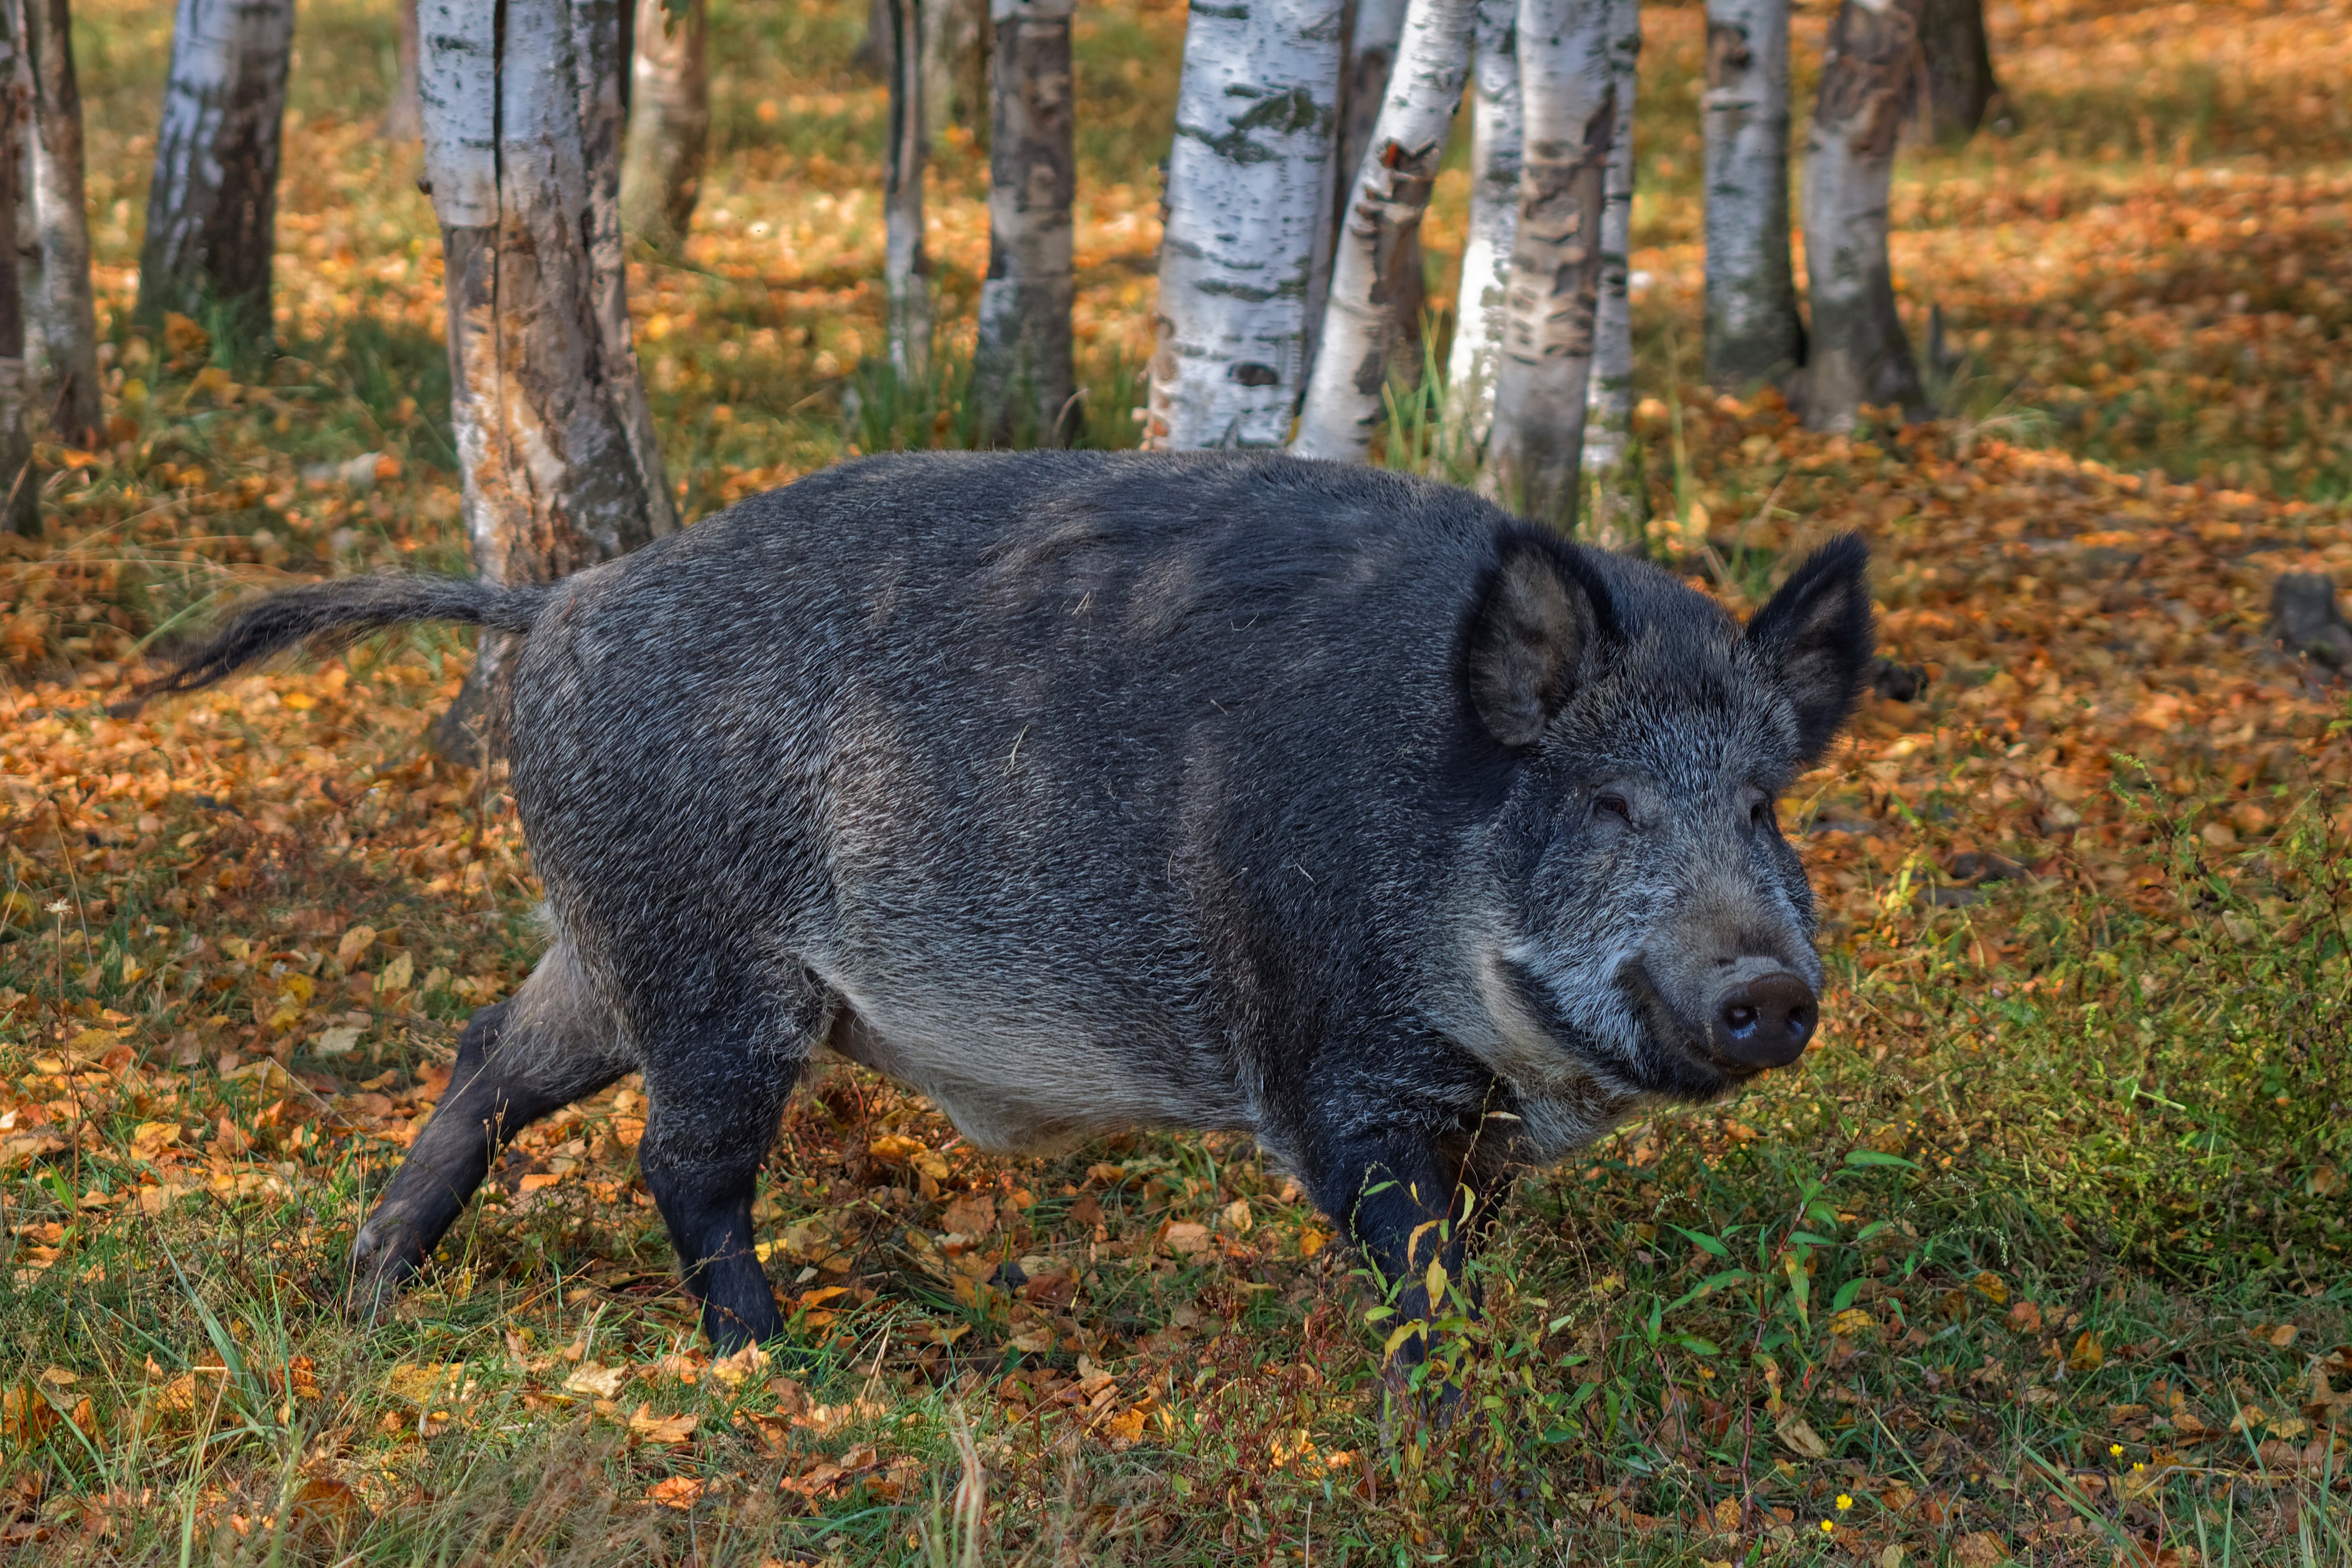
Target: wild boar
1087	791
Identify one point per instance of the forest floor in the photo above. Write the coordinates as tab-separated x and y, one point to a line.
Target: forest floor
2039	1255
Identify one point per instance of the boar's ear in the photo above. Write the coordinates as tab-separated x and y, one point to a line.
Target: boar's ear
1816	637
1534	620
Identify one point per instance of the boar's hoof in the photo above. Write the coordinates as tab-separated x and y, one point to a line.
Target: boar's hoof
387	1253
1766	1022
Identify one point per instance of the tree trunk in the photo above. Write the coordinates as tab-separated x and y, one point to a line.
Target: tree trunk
1618	493
1858	351
1377	245
1496	139
1569	95
20	488
212	211
404	118
522	141
669	124
1957	56
1753	330
1376	29
1248	206
1021	379
54	277
906	266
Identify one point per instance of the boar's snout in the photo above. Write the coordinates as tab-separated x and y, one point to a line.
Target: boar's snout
1765	1020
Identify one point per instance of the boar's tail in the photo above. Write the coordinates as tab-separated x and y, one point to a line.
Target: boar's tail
325	616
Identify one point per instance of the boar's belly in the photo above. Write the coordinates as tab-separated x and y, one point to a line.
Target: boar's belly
1028	1085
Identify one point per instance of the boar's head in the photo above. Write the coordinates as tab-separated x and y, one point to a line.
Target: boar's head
1638	925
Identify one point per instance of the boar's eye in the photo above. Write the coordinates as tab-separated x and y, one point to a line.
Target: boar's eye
1609	804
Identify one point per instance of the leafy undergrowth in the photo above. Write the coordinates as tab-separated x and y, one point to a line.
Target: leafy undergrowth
2042	1253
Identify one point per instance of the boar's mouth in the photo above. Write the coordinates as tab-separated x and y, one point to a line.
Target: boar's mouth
1683	1059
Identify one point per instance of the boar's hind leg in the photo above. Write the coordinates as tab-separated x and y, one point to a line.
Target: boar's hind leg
715	1092
518	1059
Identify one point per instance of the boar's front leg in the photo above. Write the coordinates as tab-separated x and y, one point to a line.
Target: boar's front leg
715	1092
1406	1201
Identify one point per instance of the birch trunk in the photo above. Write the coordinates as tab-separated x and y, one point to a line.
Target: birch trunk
403	116
1858	351
1618	493
520	142
1376	246
906	266
1021	372
19	484
1248	204
1494	158
669	122
212	210
1957	56
1375	29
1567	93
1753	331
61	321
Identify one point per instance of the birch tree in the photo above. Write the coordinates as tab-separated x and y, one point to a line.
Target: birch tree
669	121
1375	29
1858	352
521	141
1020	369
1753	331
906	264
1249	193
19	485
1568	98
1376	244
1495	159
1617	487
212	209
60	320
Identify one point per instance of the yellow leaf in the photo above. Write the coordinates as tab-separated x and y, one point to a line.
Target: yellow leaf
1185	1238
678	1491
1801	1437
1990	1286
395	976
1238	1217
2284	1335
896	1148
538	1181
423	1384
1851	1322
183	335
301	986
1124	1429
356	941
1311	1240
2088	1354
647	1426
58	1377
749	1361
598	1382
1433	1282
150	1139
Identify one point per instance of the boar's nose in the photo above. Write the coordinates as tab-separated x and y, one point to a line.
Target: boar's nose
1766	1022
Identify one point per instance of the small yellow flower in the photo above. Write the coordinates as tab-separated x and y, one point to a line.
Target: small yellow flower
2138	1466
2116	1449
1828	1529
1845	1502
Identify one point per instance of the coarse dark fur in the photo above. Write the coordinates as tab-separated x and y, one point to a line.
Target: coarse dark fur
1085	792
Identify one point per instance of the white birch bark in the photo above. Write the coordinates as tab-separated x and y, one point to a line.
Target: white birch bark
1495	153
906	264
1390	192
1858	352
521	144
1568	94
669	121
1020	366
1752	330
1248	201
1375	29
19	484
61	319
212	209
1617	496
